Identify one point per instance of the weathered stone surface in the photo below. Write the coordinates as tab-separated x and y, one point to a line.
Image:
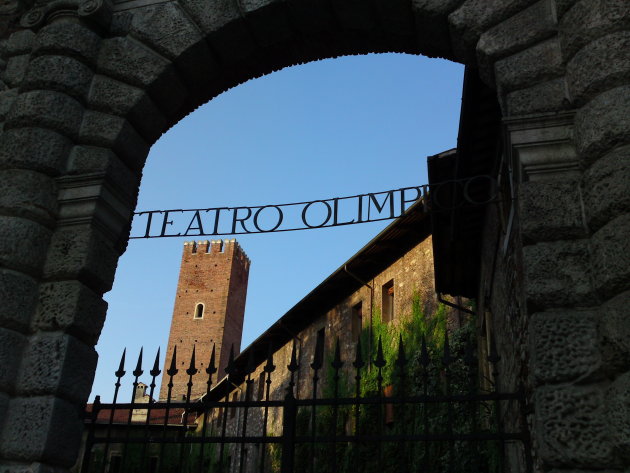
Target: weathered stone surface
607	188
11	346
564	346
227	31
546	97
432	26
4	406
128	60
71	307
47	109
614	334
18	293
70	39
587	20
28	194
57	363
551	210
165	28
20	42
114	97
23	244
603	123
527	27
116	133
15	70
7	97
557	274
38	149
600	65
271	24
476	16
60	73
618	405
533	65
611	257
30	468
571	427
80	252
93	159
43	427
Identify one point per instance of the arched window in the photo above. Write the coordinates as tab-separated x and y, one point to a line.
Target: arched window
199	311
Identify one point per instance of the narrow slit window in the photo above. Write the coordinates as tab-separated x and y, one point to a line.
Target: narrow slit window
388	301
199	311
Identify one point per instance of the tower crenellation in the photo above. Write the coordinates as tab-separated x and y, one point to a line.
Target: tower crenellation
208	311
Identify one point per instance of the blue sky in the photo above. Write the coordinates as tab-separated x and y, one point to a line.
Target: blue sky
325	129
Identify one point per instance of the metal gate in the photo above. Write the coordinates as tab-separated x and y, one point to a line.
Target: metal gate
428	410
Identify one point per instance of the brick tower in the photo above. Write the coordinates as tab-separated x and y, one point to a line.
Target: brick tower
209	310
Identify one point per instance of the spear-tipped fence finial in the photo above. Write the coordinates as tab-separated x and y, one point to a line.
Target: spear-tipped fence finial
379	361
155	371
192	369
172	370
337	364
138	371
293	365
401	361
358	362
120	372
269	366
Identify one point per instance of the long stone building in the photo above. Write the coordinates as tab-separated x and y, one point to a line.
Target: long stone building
89	85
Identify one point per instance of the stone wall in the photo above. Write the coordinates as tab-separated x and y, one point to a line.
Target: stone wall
88	86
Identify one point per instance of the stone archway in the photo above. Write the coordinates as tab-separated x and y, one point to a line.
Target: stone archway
89	85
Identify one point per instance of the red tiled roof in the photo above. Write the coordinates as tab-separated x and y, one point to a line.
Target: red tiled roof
157	415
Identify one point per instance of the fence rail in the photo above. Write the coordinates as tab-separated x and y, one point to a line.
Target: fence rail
423	411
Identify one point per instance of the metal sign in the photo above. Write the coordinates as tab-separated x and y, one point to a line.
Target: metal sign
333	212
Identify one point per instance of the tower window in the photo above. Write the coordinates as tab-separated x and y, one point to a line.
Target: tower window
199	311
388	301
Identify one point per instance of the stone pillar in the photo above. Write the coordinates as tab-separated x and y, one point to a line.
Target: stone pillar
65	218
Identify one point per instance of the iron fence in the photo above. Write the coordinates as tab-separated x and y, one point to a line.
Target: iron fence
427	410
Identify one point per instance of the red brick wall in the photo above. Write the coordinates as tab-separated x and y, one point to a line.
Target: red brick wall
214	274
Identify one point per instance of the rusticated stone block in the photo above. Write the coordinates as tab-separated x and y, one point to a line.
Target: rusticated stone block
607	188
603	123
476	16
228	33
549	96
166	29
57	363
432	26
589	19
23	244
15	70
114	132
71	307
18	293
618	405
38	149
557	274
69	39
551	210
614	334
600	65
12	344
611	257
28	194
535	64
60	73
7	97
564	346
93	159
81	252
130	61
44	428
48	109
527	27
31	468
20	42
571	427
114	97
